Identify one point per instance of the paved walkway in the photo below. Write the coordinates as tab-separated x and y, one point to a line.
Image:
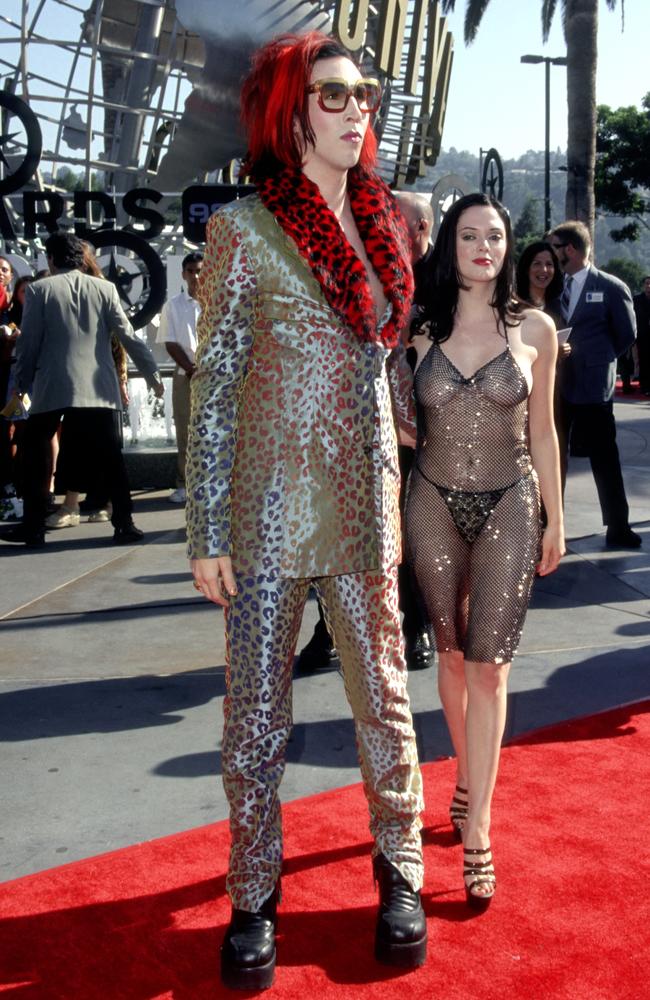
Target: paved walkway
111	674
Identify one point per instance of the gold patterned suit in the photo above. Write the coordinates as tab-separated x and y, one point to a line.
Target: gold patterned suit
292	471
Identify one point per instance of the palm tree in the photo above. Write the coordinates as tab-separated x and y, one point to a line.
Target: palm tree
580	23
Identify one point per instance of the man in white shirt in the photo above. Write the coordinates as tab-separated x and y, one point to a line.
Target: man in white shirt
178	333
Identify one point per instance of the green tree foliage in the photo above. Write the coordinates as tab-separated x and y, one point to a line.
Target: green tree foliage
580	24
528	226
627	270
623	166
68	180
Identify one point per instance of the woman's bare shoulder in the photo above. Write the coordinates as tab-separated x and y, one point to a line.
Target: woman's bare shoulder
537	329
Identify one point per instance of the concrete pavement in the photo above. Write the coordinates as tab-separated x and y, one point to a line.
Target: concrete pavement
111	674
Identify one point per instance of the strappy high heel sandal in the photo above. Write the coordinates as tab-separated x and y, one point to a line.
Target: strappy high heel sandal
458	811
481	876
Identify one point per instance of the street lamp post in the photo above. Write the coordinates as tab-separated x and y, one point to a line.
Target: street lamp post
548	62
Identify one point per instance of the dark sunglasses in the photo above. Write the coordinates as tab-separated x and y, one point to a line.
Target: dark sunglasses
559	246
334	94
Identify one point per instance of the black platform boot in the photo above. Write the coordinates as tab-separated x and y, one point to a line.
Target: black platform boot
248	949
401	937
319	653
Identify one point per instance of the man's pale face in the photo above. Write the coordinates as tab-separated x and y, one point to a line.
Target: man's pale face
420	239
569	258
338	136
562	252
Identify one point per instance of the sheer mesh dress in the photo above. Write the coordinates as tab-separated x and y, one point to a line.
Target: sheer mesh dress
472	510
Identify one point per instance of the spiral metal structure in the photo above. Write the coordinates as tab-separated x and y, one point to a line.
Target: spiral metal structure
144	93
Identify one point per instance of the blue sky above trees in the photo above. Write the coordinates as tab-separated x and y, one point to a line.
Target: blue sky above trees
497	101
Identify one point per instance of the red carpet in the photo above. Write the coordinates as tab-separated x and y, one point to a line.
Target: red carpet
634	393
569	921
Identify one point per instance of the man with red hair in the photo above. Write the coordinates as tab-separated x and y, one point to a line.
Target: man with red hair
293	477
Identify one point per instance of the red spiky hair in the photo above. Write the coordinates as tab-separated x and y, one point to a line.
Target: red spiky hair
274	99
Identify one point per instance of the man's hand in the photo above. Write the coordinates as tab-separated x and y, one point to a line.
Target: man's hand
214	579
156	385
10	332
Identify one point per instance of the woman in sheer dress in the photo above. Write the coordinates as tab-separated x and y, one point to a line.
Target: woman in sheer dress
486	449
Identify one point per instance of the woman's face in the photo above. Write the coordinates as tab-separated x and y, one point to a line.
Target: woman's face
6	272
338	136
480	244
541	271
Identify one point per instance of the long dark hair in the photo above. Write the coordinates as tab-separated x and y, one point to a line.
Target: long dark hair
15	311
443	280
528	255
65	249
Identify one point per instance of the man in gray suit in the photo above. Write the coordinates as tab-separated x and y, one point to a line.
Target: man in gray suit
64	361
598	308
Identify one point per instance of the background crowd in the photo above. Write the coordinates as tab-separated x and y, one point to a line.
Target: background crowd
65	379
540	279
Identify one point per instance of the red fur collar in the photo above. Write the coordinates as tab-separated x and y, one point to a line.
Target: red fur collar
303	214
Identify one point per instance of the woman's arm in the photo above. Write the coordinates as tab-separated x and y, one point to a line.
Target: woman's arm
539	332
422	343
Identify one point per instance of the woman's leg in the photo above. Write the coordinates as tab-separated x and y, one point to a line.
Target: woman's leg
452	688
440	559
487	689
504	556
485	721
71	501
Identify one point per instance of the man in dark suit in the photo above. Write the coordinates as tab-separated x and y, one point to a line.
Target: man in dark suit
598	308
418	215
642	312
64	361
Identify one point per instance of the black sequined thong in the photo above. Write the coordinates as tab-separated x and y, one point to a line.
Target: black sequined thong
469	510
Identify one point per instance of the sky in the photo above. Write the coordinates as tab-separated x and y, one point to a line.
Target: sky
496	101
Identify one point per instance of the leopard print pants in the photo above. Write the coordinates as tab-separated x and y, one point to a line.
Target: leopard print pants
262	625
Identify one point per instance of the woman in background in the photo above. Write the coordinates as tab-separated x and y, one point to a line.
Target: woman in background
71	464
13	424
539	279
540	283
